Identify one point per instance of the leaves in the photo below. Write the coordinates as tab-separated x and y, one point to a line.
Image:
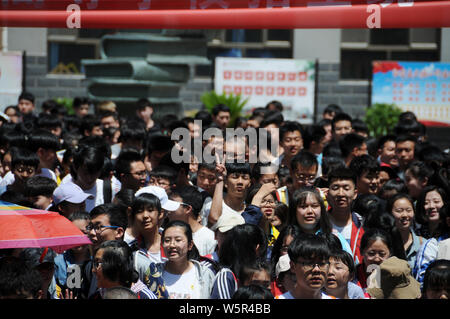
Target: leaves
234	102
67	103
381	118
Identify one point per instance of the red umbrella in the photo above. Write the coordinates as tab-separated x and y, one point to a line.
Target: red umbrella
24	227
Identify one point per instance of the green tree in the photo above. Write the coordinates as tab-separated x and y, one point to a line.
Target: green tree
381	118
235	102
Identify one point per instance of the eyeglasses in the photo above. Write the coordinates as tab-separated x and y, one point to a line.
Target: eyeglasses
99	228
301	177
22	169
268	202
307	266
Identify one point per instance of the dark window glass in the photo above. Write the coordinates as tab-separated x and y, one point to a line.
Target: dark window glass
65	58
279	35
389	36
357	64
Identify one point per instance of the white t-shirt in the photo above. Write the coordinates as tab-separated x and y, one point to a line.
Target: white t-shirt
9	179
345	231
226	211
288	295
204	241
185	286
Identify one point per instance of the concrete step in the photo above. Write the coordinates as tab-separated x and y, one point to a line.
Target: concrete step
123	68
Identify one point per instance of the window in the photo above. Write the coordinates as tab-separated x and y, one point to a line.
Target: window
359	47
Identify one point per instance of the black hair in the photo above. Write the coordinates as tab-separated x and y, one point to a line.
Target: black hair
78	101
437	275
313	133
368	204
420	211
309	246
207	165
289	230
385	138
119	293
125	197
18	279
291	126
142	103
13	138
408	126
252	292
340	117
23	156
39	185
272	117
132	130
359	125
397	185
124	160
257	168
391	201
331	162
342	173
299	198
48	121
282	212
349	141
332	149
104	114
305	159
90	157
117	214
239	247
432	155
420	170
164	171
16	198
333	108
406	138
240	168
159	142
203	116
364	163
26	96
191	195
259	111
220	108
443	228
145	201
79	215
43	139
239	121
248	270
278	105
117	262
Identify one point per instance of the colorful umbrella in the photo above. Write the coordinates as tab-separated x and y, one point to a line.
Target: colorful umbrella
24	227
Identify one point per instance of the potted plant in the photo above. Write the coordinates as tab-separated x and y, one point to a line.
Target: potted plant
235	102
381	118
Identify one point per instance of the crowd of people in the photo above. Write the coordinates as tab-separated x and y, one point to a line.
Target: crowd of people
331	213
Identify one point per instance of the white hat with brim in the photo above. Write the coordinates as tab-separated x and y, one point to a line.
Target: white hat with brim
159	192
283	264
70	192
227	221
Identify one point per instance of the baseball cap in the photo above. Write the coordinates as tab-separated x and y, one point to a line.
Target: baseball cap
283	264
159	192
227	222
70	192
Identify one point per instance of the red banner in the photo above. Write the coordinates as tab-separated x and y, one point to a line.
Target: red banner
238	15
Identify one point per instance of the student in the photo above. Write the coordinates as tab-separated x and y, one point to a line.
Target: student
13	113
24	164
315	140
157	147
26	106
283	279
392	187
376	246
221	115
184	277
360	127
252	292
68	261
206	178
132	135
386	151
405	151
18	280
309	260
50	123
367	171
428	206
401	206
386	174
304	168
341	125
81	106
291	141
113	267
130	169
352	145
45	145
164	177
263	173
257	274
144	110
39	190
236	179
272	122
190	204
341	273
69	198
331	111
436	282
417	176
341	194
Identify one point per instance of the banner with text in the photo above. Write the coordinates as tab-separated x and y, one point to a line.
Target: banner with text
419	87
262	80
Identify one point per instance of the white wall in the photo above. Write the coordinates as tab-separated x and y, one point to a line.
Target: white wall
31	40
323	44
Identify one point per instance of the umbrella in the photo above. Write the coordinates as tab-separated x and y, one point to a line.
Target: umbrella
24	227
